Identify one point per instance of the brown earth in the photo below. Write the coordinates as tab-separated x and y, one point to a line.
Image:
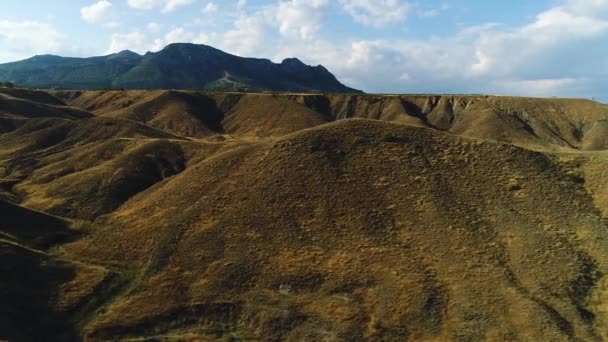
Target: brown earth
208	216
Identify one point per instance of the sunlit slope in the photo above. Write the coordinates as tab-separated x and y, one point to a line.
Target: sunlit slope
360	229
206	216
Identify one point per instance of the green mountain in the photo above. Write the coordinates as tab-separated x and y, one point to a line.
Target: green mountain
177	66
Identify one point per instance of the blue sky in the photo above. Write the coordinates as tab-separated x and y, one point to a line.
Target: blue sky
539	48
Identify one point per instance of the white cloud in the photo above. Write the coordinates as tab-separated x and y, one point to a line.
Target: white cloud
171	5
429	13
561	51
376	13
432	12
393	66
96	12
537	87
134	41
250	34
240	5
179	35
23	39
144	4
113	24
247	36
593	8
153	27
301	18
543	45
210	8
165	5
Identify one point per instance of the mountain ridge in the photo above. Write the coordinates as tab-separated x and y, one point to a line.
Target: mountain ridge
177	66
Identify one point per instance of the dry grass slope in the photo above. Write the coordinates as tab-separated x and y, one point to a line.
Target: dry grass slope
360	229
187	114
264	216
21	104
528	122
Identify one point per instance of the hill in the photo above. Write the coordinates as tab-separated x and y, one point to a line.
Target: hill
23	103
177	66
367	235
304	217
527	122
44	296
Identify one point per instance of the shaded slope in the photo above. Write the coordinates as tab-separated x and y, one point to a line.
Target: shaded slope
87	168
50	135
183	113
25	104
187	114
86	190
33	228
98	186
359	230
38	96
43	297
9	124
83	169
26	314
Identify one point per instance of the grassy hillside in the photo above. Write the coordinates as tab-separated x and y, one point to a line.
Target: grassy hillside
223	216
18	104
527	122
388	231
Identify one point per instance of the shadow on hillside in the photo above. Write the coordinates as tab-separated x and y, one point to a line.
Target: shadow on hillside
29	283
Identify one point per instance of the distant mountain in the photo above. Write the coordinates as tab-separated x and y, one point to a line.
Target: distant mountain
177	66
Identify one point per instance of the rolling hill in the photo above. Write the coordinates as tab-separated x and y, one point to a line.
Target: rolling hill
177	66
528	122
26	104
184	215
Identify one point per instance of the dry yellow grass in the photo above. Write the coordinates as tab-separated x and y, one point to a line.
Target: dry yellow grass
539	123
361	230
442	218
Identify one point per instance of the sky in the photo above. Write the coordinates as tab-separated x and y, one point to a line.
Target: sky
516	47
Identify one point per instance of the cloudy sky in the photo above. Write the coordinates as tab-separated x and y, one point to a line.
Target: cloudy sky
520	47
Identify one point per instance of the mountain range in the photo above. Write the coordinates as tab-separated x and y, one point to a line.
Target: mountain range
177	66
